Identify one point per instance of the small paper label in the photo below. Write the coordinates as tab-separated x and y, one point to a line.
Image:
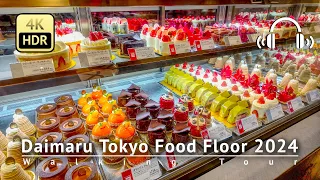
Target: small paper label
317	28
253	37
313	96
204	44
172	49
171	159
146	171
295	104
141	53
275	113
305	30
182	47
30	68
232	40
247	124
96	58
217	132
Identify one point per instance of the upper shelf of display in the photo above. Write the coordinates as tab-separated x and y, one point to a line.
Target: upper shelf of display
70	3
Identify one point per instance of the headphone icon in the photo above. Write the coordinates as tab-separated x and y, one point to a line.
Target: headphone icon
270	38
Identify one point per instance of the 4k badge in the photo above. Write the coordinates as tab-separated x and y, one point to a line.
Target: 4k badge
35	33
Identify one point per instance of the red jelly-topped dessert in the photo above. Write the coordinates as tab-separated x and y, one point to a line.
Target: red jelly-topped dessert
167	101
187	101
124	98
180	133
143	121
166	117
196	124
142	98
153	107
156	131
269	88
134	89
133	107
286	95
180	113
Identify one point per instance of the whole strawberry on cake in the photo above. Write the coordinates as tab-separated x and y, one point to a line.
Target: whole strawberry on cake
95	42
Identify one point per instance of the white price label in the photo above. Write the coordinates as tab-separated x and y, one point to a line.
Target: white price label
44	66
305	30
253	37
317	28
275	113
182	47
96	58
217	132
205	44
295	104
313	96
232	40
145	171
141	53
247	123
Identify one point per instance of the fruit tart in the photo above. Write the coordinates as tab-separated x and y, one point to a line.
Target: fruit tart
167	101
72	127
166	117
116	118
96	93
82	139
180	133
126	132
52	168
64	100
83	171
124	98
93	118
45	126
102	130
156	131
82	101
87	108
46	111
153	107
187	101
132	108
108	107
286	95
137	157
180	113
134	89
196	124
105	98
143	120
142	98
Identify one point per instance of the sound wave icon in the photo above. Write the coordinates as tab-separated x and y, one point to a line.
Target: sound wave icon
310	42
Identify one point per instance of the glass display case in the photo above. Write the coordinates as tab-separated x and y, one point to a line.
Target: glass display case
216	79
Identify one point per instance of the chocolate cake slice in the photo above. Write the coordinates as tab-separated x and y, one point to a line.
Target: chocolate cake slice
156	131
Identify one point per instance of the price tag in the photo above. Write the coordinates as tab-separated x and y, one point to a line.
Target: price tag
172	49
305	30
313	96
171	159
182	47
217	132
295	104
204	44
275	113
145	171
253	37
317	28
30	68
141	53
247	124
232	40
96	58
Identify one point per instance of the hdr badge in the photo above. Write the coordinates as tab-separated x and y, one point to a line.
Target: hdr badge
35	33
